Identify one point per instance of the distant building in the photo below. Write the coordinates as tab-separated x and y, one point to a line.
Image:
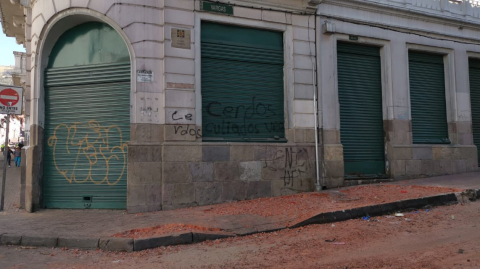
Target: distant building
17	78
19	71
6	75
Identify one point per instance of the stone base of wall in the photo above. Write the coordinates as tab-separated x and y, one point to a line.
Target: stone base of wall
165	174
34	170
333	170
174	175
23	177
407	162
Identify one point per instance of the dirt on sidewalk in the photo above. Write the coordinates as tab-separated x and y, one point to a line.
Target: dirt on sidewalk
295	208
420	239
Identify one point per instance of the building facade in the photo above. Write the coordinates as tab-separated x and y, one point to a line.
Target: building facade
417	66
19	72
172	103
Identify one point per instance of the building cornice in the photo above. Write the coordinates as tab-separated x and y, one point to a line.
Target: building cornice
13	20
294	6
409	11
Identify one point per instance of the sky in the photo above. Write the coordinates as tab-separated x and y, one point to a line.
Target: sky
7	46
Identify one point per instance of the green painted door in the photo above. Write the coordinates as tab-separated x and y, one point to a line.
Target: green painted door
427	98
361	117
475	100
242	84
87	120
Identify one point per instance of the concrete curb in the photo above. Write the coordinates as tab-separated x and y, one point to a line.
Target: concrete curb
39	241
169	240
198	237
84	243
116	244
10	239
378	210
130	244
177	239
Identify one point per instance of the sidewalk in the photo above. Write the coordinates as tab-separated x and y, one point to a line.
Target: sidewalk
117	230
13	186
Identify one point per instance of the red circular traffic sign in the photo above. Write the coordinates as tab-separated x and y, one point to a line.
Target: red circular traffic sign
9	97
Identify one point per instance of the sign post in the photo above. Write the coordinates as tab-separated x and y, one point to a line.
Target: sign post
11	99
5	156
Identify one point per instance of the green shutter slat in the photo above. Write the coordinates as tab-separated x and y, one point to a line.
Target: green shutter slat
87	44
242	84
361	117
427	98
474	73
97	98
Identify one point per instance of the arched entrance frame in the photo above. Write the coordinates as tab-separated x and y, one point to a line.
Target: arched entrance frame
51	32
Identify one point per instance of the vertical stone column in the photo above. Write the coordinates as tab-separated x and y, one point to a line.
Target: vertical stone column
146	34
34	132
333	164
304	52
398	126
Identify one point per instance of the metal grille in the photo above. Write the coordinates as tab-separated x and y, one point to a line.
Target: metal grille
361	117
87	128
242	84
475	100
427	98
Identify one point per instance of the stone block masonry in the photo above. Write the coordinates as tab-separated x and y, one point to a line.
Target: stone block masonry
232	172
431	160
407	160
182	174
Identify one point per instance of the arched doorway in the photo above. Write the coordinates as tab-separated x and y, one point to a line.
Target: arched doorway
87	119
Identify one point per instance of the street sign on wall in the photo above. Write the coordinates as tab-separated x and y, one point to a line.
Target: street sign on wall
216	8
11	99
144	76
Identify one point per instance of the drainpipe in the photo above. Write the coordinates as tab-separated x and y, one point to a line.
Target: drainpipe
320	185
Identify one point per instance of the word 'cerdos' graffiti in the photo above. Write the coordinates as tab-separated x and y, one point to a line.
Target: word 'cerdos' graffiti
185	130
242	120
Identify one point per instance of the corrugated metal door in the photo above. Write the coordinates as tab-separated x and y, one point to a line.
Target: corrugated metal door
475	101
87	127
87	123
427	98
242	84
361	117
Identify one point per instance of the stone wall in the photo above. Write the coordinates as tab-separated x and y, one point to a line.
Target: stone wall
407	160
431	160
168	175
34	170
208	173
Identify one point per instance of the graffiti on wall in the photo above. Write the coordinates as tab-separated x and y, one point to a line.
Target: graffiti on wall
258	117
88	153
296	165
180	116
291	163
187	130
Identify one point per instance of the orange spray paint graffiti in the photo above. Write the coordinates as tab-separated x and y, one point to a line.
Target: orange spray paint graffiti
91	152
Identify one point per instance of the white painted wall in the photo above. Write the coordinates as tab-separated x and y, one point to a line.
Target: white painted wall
390	28
140	24
146	27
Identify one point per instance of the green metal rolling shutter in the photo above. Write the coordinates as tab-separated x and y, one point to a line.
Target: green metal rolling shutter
427	98
475	101
87	128
361	117
242	84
